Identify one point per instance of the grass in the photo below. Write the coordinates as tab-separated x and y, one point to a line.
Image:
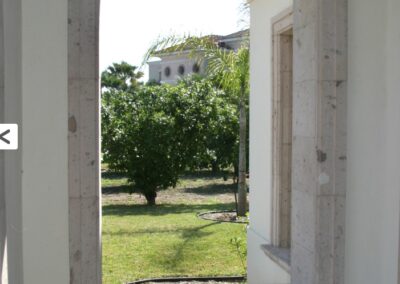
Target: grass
114	183
168	239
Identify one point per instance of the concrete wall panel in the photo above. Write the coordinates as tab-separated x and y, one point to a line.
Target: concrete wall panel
36	183
3	260
319	142
84	142
372	219
261	268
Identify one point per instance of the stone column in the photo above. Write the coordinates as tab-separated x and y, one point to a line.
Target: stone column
2	186
36	180
319	141
83	142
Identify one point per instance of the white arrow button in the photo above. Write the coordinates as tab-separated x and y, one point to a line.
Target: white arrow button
8	136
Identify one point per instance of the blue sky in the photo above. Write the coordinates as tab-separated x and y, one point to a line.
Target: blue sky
128	27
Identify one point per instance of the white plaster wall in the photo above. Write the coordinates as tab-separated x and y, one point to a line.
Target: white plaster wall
372	206
235	44
260	268
37	174
154	71
173	62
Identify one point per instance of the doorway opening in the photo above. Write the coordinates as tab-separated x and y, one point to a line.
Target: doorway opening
170	149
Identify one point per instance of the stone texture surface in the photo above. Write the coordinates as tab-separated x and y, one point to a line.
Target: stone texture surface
282	98
83	141
319	143
3	273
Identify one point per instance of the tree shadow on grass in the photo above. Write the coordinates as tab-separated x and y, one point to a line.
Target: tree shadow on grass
184	231
174	253
186	235
205	175
211	189
172	262
116	189
189	175
207	189
163	209
112	175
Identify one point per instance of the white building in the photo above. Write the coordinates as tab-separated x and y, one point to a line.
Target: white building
171	66
324	142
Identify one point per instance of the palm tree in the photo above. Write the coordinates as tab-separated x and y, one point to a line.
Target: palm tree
121	76
231	70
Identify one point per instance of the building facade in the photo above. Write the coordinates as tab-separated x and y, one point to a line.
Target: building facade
324	142
169	67
324	192
174	66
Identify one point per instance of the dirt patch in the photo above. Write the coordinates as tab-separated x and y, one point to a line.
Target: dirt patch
168	197
188	191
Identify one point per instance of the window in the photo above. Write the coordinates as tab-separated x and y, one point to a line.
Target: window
181	70
167	71
282	131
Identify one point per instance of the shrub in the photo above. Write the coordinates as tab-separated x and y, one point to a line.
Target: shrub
153	133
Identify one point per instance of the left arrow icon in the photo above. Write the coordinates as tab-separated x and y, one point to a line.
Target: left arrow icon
4	134
8	136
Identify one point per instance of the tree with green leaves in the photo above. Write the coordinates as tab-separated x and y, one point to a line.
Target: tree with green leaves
119	84
219	139
230	69
154	133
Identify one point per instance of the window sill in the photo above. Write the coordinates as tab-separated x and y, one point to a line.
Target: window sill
281	256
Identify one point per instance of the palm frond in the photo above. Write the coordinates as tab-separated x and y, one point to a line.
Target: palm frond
230	68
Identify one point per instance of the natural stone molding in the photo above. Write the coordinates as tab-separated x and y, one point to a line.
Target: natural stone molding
83	141
319	142
282	98
3	273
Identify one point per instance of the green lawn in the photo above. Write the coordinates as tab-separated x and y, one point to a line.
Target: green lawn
168	240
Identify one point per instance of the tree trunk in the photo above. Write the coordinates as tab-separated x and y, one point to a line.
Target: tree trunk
151	198
242	187
214	167
235	173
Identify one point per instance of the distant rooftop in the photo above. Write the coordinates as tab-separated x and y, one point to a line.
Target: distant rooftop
218	39
239	34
